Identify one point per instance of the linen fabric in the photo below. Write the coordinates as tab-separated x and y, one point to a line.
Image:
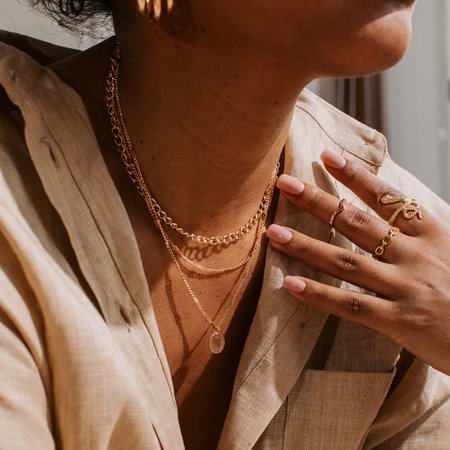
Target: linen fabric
82	366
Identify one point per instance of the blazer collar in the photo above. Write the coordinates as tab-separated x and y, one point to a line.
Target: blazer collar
284	330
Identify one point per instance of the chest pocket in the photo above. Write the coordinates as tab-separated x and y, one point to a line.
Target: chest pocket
327	411
333	410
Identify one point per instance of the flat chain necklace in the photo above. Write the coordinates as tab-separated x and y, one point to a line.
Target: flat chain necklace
128	157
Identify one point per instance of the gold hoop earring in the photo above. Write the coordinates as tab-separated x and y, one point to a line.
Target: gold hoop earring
154	9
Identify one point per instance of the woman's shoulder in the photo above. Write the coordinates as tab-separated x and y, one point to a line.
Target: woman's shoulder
319	124
42	52
329	128
21	62
40	118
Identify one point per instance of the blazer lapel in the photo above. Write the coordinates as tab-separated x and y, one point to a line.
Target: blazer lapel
285	330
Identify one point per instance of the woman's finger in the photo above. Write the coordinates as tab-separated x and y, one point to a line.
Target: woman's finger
385	200
362	228
371	311
419	325
338	262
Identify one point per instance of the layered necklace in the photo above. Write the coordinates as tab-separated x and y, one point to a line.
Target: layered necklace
161	219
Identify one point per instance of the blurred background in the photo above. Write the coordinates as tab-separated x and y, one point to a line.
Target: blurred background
409	103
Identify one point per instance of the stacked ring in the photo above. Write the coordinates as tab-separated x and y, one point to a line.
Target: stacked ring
410	208
385	241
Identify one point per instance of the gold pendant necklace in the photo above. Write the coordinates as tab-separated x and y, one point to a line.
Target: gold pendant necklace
217	339
128	157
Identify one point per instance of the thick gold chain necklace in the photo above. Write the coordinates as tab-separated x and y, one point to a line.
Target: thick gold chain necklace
128	156
161	214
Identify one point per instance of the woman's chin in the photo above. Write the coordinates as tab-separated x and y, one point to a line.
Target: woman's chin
387	40
377	47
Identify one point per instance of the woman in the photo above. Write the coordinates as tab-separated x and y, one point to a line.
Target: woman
202	106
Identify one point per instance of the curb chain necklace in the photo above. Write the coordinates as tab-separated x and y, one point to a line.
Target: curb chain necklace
128	157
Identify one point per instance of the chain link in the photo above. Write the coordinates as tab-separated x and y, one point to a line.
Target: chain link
385	241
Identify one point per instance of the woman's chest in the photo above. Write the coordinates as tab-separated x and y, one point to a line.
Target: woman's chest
203	381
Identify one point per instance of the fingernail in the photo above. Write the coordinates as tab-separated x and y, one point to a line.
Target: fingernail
290	184
278	234
333	160
294	284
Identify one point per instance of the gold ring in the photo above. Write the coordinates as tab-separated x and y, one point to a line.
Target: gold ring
385	241
409	208
339	209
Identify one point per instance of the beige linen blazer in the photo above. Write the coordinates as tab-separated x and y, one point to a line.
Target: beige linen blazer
82	366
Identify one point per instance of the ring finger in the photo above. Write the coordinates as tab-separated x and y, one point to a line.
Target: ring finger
335	261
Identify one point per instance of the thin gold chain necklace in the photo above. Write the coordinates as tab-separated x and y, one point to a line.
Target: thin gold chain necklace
128	156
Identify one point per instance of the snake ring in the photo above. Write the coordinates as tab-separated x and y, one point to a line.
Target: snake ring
410	208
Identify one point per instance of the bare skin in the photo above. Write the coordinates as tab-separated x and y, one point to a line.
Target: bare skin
208	113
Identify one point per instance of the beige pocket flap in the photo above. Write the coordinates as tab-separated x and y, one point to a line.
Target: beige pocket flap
333	410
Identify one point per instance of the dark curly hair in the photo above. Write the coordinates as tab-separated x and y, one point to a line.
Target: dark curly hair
90	17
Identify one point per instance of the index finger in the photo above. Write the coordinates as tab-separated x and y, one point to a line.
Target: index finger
389	203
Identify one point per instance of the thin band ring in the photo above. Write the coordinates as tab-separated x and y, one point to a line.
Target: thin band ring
339	209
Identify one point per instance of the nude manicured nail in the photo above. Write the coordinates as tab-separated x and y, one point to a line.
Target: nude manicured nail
290	184
294	284
278	234
333	160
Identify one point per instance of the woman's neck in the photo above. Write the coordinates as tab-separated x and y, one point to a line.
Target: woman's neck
207	127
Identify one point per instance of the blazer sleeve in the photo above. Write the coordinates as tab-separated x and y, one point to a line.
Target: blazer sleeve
415	415
25	408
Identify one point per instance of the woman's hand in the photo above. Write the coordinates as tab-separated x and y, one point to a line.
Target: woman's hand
411	278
